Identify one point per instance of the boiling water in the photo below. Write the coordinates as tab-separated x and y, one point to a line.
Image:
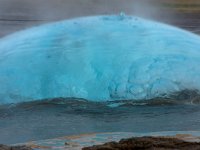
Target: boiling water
98	58
112	74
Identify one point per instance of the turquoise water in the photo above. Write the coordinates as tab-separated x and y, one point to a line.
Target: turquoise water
98	74
98	58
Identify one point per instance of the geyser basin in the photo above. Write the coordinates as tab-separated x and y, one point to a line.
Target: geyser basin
98	58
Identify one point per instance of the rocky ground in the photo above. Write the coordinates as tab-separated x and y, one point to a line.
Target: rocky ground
178	142
147	143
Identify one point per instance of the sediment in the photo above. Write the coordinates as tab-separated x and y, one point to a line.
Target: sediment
147	143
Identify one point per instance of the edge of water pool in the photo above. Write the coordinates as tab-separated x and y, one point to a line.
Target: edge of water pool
77	142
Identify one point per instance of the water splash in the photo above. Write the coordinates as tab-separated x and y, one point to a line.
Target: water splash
98	58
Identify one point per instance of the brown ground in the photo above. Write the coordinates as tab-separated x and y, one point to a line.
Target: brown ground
148	143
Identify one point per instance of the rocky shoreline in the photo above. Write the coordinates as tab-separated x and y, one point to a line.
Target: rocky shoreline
143	143
147	143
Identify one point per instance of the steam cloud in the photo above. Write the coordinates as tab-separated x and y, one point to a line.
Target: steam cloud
19	14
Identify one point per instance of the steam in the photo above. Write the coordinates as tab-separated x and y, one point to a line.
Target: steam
62	9
20	14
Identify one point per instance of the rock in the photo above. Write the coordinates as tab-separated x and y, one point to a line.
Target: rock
5	147
147	143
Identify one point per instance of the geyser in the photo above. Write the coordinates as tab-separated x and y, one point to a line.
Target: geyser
98	58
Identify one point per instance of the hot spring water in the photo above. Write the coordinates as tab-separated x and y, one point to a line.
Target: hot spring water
98	58
83	67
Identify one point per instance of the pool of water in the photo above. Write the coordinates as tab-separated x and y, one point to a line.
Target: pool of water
59	117
54	118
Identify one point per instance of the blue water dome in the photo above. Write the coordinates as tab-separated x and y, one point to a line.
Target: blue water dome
99	58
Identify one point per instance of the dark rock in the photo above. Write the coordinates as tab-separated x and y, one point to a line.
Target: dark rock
5	147
67	143
147	143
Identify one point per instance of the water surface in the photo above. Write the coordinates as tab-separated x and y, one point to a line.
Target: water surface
54	118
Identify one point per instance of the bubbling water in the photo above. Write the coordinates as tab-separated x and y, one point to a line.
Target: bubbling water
98	58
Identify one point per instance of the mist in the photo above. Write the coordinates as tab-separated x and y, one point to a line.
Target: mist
17	15
62	9
20	14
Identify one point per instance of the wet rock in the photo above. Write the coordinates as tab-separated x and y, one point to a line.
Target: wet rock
147	143
5	147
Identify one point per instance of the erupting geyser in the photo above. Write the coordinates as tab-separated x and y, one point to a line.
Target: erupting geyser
98	58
